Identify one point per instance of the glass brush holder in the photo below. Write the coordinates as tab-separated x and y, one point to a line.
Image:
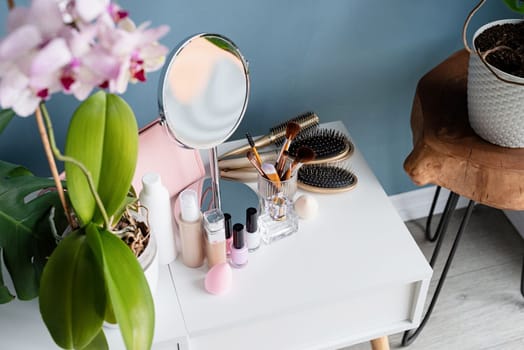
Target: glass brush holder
277	218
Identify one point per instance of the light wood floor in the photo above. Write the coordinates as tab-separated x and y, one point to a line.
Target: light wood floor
480	306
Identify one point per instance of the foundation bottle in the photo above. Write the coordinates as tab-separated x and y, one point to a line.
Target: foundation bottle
190	227
229	233
214	226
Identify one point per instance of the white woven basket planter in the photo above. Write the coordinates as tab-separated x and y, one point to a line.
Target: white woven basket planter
495	107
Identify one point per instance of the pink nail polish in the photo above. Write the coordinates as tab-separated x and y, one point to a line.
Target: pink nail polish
239	252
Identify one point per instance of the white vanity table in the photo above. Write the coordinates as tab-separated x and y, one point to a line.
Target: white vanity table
351	274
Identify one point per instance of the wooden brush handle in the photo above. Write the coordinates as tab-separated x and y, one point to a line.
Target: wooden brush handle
261	142
243	175
243	162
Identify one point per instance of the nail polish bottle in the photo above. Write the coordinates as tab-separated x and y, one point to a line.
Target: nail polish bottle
239	253
229	233
190	227
155	198
214	225
252	232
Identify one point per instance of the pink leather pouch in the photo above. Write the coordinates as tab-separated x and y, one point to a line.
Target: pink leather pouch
158	152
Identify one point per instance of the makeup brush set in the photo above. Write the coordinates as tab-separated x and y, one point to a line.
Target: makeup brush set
318	156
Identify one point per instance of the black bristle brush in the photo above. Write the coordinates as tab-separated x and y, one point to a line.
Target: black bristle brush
329	145
326	178
307	121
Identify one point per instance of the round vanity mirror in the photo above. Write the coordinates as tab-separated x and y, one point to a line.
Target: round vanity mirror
204	91
203	95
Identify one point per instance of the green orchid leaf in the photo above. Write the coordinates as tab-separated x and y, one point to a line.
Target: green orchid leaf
5	117
103	135
128	291
120	154
26	238
72	293
98	343
110	314
515	5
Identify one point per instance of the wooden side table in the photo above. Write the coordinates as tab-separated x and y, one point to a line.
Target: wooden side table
449	154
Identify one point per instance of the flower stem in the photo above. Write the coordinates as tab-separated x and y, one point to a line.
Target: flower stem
79	164
52	166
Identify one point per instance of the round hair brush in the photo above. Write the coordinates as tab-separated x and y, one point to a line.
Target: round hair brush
326	178
329	145
307	121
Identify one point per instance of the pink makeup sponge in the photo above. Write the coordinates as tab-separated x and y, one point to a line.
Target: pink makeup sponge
219	279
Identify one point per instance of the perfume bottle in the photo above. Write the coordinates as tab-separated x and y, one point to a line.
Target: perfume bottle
229	233
214	225
239	253
252	232
155	198
190	227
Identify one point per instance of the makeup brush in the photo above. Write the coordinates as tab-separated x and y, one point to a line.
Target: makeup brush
271	174
306	121
253	149
292	130
251	156
304	155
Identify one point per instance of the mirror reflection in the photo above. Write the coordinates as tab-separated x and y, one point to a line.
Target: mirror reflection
204	91
236	198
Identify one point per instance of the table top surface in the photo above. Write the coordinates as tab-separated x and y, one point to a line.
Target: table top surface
446	150
355	244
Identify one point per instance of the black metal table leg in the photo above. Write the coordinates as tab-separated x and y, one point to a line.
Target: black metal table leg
443	223
429	237
522	280
411	335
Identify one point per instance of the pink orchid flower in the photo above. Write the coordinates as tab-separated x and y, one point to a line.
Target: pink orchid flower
73	46
31	56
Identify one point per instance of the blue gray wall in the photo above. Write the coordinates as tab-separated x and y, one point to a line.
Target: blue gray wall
352	60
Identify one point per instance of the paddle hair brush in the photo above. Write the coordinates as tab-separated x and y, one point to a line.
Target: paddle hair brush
307	121
326	178
329	145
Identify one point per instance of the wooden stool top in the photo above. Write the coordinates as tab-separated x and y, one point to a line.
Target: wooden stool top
448	153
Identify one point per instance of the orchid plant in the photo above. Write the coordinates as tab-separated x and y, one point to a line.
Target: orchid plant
75	47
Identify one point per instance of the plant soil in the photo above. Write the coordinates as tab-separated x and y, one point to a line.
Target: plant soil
503	46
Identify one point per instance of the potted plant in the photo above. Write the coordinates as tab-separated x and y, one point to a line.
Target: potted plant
88	274
496	78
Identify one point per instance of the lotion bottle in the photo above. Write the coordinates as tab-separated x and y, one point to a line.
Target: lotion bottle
190	227
155	198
